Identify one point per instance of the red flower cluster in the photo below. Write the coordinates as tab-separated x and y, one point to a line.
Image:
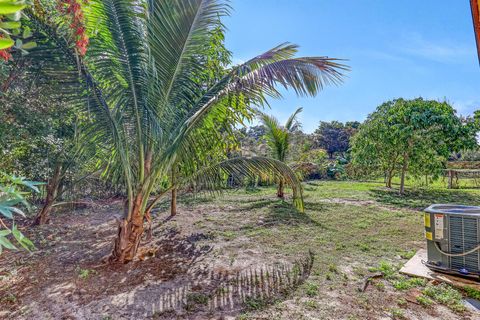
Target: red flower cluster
5	54
73	9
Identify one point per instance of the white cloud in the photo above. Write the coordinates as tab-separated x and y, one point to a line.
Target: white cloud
466	107
441	51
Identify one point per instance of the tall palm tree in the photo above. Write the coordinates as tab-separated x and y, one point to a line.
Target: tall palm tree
147	109
278	139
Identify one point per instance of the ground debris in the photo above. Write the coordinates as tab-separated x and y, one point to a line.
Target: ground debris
369	279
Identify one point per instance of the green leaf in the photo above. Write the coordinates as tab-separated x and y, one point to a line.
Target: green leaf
22	240
10	24
6	212
10	8
6	43
27	46
27	32
15	16
32	184
4	233
7	244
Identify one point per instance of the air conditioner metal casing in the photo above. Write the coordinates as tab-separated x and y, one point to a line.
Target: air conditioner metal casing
453	229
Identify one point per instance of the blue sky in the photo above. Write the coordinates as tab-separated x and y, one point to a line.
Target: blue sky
405	48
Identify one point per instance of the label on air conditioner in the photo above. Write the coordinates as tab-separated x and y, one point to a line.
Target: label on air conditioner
427	220
428	235
438	226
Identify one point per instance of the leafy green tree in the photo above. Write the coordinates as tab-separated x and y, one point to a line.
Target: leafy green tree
415	136
39	126
335	136
279	138
38	139
145	105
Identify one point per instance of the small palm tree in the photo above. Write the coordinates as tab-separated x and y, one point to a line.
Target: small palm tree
147	109
278	139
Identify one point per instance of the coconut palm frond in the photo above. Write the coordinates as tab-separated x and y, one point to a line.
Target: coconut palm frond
266	169
292	122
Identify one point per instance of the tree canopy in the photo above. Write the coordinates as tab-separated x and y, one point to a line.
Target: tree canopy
414	136
335	136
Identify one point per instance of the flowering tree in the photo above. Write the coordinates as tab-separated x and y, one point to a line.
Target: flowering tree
73	13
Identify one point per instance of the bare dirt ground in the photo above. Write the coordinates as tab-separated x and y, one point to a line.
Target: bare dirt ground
177	275
242	257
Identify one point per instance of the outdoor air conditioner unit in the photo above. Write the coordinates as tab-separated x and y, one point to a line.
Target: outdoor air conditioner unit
453	239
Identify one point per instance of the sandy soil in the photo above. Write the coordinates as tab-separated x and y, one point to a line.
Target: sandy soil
179	275
187	272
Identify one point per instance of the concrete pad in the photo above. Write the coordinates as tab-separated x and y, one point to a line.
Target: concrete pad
415	268
472	304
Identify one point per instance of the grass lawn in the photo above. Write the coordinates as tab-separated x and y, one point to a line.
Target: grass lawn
355	229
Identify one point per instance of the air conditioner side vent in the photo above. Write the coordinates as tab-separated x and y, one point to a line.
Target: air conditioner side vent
463	236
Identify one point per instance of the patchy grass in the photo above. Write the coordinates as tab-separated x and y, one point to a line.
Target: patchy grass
424	301
85	273
311	289
405	283
354	229
472	292
446	295
398	313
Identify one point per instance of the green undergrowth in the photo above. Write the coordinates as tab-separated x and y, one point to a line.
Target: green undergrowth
430	293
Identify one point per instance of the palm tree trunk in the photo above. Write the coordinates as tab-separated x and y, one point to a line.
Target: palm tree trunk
148	212
130	231
43	216
173	202
280	192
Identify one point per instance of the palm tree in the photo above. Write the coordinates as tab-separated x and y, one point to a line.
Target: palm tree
146	108
278	139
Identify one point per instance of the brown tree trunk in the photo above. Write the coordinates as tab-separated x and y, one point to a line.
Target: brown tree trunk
43	216
148	219
130	231
280	193
389	179
173	202
148	213
404	171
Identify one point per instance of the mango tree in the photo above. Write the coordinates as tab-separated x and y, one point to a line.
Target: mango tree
415	136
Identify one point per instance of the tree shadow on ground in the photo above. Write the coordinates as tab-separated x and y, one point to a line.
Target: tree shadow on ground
253	204
184	199
283	213
420	198
207	292
278	212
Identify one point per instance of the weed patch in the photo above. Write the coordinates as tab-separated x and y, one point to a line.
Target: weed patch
445	295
